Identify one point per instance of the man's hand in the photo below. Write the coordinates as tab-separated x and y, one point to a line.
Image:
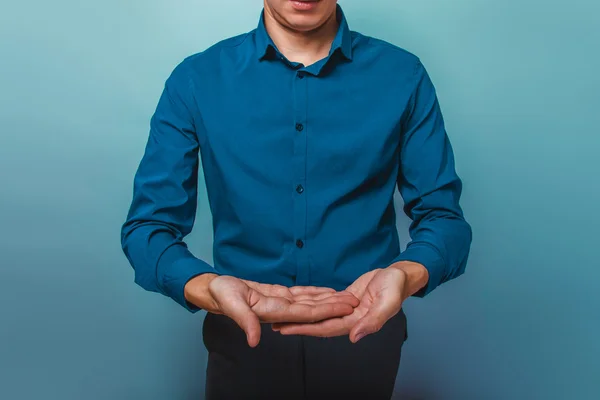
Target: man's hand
381	293
250	303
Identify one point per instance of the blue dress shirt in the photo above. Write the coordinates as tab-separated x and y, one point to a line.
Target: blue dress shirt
300	164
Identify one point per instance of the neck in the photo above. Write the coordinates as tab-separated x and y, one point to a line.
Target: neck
306	47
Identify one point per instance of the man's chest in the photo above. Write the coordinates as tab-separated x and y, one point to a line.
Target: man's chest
302	124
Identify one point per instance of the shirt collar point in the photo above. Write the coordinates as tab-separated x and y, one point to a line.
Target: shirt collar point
342	42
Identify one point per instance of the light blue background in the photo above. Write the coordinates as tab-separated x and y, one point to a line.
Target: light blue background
519	83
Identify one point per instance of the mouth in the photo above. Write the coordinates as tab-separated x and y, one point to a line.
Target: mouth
304	5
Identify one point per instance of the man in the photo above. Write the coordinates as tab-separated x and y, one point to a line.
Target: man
304	129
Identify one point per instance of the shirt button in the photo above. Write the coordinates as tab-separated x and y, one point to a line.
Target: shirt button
299	243
300	75
299	127
300	189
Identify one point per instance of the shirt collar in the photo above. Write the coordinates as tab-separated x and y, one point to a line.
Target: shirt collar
342	41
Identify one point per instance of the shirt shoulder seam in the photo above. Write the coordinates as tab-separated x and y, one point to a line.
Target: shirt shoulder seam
372	41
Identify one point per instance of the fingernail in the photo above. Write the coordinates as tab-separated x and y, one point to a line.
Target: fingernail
360	336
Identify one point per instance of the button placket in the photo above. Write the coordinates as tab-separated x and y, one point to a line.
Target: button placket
300	132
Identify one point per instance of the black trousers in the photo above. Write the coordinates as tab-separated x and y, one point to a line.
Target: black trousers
300	367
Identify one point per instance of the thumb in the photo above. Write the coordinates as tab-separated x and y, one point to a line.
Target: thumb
246	319
379	313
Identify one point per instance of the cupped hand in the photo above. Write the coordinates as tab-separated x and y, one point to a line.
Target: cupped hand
250	303
381	293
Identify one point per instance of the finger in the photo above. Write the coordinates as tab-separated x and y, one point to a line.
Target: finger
349	300
327	328
312	297
378	314
319	312
320	296
310	290
240	311
343	293
276	310
270	290
328	298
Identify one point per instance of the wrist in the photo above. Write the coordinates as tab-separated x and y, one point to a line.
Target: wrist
416	275
197	292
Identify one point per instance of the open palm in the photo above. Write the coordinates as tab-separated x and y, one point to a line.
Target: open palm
250	303
380	293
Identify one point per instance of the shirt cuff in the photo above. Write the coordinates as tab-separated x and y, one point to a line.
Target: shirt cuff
176	267
431	259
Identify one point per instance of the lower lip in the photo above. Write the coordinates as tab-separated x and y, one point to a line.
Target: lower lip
304	5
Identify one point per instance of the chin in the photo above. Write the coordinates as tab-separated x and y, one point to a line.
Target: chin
302	19
305	23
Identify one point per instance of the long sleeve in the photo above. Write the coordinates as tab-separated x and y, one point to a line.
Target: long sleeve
431	189
164	201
